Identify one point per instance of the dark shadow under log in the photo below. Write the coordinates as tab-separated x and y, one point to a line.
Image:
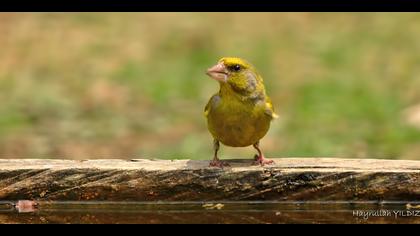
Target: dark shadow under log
290	179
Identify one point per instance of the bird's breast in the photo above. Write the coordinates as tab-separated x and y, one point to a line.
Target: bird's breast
237	124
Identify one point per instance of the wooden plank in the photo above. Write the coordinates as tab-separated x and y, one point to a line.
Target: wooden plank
190	180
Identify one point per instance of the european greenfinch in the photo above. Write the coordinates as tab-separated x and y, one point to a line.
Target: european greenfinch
240	114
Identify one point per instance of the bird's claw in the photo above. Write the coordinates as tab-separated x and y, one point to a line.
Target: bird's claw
261	160
219	163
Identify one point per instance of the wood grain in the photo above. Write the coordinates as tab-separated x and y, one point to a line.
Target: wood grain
190	180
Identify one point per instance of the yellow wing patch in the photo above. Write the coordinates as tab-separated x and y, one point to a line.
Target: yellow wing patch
269	109
206	110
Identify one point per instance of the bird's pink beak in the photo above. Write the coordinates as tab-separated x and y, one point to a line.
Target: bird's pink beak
218	72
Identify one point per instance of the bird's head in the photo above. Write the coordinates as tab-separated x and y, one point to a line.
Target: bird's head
237	74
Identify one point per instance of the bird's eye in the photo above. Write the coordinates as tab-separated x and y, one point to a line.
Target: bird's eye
236	67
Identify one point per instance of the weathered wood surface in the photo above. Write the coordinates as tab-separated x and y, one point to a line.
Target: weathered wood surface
187	180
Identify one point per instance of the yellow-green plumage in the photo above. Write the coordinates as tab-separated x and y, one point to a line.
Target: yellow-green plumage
240	113
237	123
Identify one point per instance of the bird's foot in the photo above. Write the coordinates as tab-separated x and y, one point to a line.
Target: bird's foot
261	160
219	163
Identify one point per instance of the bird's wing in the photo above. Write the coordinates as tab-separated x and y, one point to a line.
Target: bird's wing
207	108
213	102
269	110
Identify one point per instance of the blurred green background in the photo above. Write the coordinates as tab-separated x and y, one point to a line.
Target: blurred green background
132	85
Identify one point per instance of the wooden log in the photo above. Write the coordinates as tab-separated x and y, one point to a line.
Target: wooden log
290	179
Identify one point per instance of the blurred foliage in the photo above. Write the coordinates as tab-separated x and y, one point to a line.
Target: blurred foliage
131	85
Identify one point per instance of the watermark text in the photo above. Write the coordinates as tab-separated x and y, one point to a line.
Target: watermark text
366	214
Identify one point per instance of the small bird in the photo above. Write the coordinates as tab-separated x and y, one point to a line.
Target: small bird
239	115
